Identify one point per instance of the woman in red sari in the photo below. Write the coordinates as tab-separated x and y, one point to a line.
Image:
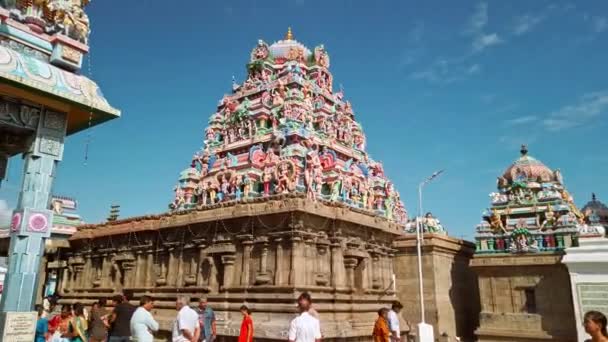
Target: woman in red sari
246	334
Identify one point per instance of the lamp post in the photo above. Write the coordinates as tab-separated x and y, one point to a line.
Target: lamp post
425	331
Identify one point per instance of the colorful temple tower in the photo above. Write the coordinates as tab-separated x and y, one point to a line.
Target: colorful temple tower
524	288
282	198
531	212
285	131
43	99
596	212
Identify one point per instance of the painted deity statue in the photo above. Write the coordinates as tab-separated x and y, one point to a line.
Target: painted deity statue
267	180
496	223
431	224
180	198
550	218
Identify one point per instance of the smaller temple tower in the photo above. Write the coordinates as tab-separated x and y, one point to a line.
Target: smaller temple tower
523	286
596	212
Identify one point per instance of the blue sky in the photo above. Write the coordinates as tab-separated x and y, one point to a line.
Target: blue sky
456	85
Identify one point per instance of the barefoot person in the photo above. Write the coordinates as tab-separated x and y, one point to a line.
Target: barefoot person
595	325
246	334
381	332
304	328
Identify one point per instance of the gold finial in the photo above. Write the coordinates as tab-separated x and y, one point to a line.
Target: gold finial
289	35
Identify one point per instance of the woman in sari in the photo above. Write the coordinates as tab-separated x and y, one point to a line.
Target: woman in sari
58	325
381	332
77	330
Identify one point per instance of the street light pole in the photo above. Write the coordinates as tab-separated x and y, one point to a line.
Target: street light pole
425	331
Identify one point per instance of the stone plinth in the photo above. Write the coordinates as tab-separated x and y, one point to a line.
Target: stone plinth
450	287
588	267
524	298
261	252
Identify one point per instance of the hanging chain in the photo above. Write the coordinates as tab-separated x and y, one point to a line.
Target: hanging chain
89	132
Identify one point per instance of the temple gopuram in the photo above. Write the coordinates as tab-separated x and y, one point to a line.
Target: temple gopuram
282	198
524	288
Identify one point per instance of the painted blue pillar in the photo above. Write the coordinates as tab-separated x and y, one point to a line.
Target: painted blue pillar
32	220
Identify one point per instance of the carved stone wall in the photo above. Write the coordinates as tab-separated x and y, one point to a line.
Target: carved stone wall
262	254
451	294
524	298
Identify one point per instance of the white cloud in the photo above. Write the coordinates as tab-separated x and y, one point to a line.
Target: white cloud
445	71
526	23
600	24
522	120
479	19
588	108
484	41
474	69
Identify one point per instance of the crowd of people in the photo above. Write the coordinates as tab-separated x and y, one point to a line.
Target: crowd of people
129	323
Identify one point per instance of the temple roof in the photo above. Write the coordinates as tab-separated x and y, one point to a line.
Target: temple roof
282	48
595	210
54	87
527	167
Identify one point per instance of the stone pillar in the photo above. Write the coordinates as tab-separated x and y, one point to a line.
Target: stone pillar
228	261
179	277
376	282
278	272
247	248
172	269
88	272
105	271
31	223
138	280
213	285
350	263
199	271
296	273
310	252
64	286
150	269
338	273
364	269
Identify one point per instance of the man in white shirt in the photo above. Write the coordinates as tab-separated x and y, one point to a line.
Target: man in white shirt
304	328
142	323
393	321
185	327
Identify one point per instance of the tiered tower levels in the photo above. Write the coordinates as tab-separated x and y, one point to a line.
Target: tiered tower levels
532	211
282	131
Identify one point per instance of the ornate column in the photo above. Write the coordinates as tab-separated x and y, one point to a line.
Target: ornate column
172	268
150	268
263	276
247	248
202	255
338	273
64	286
32	221
88	272
138	280
310	258
278	272
297	275
364	268
350	263
228	261
105	271
375	270
179	277
213	285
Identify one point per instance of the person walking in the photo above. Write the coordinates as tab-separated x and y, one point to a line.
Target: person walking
186	326
206	319
393	321
142	322
42	325
304	328
595	325
58	325
246	334
381	332
120	329
78	325
98	324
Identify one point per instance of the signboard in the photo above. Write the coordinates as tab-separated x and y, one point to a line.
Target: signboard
593	296
19	326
